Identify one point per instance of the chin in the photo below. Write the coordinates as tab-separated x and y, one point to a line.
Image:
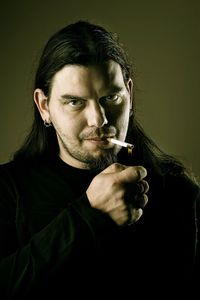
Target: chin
101	162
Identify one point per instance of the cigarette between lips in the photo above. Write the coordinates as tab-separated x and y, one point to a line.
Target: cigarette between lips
123	144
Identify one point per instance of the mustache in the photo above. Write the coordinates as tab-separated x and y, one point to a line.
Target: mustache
98	133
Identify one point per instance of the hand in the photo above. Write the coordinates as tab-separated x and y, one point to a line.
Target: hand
120	191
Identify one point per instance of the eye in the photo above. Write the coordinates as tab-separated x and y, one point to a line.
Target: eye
112	99
76	103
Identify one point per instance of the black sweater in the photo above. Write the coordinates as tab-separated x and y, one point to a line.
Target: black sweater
52	242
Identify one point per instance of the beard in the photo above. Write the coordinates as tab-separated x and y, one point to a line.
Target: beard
92	162
100	163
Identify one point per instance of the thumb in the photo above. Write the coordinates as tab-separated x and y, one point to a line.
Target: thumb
132	174
114	168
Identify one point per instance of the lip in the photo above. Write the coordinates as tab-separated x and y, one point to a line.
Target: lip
99	140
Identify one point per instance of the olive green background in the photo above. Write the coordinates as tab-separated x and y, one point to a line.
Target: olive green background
163	41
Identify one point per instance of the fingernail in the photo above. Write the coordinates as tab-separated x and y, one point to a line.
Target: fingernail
142	171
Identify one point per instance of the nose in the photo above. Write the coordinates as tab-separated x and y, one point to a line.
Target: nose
96	115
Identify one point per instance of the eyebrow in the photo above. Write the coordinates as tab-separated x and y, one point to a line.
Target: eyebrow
112	90
71	97
115	89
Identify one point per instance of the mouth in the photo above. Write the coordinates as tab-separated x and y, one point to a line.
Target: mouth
103	140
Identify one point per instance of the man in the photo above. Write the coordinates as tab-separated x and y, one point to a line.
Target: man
79	214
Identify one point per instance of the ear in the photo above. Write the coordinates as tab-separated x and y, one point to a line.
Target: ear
42	104
130	91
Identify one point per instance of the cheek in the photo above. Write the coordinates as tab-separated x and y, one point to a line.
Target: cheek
74	128
120	115
68	124
122	124
122	121
59	115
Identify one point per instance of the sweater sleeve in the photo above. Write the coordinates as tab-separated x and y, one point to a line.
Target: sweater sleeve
66	241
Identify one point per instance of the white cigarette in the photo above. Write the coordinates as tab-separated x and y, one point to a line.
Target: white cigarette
123	144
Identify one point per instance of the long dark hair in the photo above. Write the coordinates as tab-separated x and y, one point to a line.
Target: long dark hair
83	43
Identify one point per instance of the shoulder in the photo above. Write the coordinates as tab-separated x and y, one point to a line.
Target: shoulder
177	180
182	189
8	190
7	170
175	187
17	171
183	182
12	169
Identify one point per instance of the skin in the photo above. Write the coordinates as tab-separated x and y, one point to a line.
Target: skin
92	103
86	106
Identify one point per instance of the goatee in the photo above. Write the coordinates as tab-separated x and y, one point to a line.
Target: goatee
99	164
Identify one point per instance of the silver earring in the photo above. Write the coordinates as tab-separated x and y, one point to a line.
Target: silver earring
47	124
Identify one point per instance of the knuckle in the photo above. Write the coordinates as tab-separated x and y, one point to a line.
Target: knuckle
146	186
141	187
136	172
136	213
117	167
121	194
145	199
140	201
117	184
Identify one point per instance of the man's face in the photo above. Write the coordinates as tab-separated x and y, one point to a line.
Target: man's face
87	105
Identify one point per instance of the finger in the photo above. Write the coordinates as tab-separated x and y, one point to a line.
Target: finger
131	174
120	217
141	187
140	201
115	204
114	168
136	214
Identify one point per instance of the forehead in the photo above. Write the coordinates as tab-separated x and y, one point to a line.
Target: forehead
98	77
